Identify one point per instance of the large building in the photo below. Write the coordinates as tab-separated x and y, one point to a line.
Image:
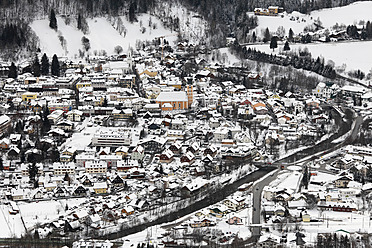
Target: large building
174	100
112	138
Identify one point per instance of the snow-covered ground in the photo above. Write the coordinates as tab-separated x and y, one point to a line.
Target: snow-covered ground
40	212
102	35
348	15
192	26
32	214
350	54
10	225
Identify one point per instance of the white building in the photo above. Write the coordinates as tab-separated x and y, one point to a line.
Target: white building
112	138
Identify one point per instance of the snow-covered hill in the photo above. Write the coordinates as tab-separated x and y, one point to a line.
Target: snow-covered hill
348	15
347	55
102	35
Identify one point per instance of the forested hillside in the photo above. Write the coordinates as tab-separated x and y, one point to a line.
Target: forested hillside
224	17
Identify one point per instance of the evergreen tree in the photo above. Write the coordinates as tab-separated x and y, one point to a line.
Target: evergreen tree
44	65
12	71
32	172
55	66
53	20
79	22
267	35
290	35
86	43
286	46
1	164
36	67
274	42
132	14
254	37
369	30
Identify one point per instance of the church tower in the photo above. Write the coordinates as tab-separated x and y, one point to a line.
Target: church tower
190	94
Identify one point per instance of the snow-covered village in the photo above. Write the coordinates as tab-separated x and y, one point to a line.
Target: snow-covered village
148	124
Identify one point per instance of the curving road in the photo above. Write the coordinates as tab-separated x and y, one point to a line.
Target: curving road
317	150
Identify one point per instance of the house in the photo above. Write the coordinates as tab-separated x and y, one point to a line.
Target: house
82	215
234	203
306	217
269	241
220	134
122	151
189	158
79	190
36	194
126	165
128	210
96	167
75	115
55	116
219	211
72	226
13	152
138	153
167	156
111	160
342	181
122	114
117	181
210	150
202	223
49	187
153	145
28	96
100	188
176	134
60	191
63	168
193	187
234	221
4	143
176	147
154	127
18	194
193	148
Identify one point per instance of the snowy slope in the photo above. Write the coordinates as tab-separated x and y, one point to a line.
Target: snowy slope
349	54
348	15
192	26
352	54
102	35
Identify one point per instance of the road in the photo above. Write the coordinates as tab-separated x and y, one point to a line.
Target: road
212	198
317	151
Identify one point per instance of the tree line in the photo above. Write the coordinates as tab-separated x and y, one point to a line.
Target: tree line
298	62
36	68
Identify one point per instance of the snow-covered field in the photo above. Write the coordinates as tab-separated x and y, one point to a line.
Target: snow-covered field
348	15
102	35
32	214
353	55
10	225
40	212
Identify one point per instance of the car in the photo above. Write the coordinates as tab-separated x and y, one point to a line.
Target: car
257	188
254	209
